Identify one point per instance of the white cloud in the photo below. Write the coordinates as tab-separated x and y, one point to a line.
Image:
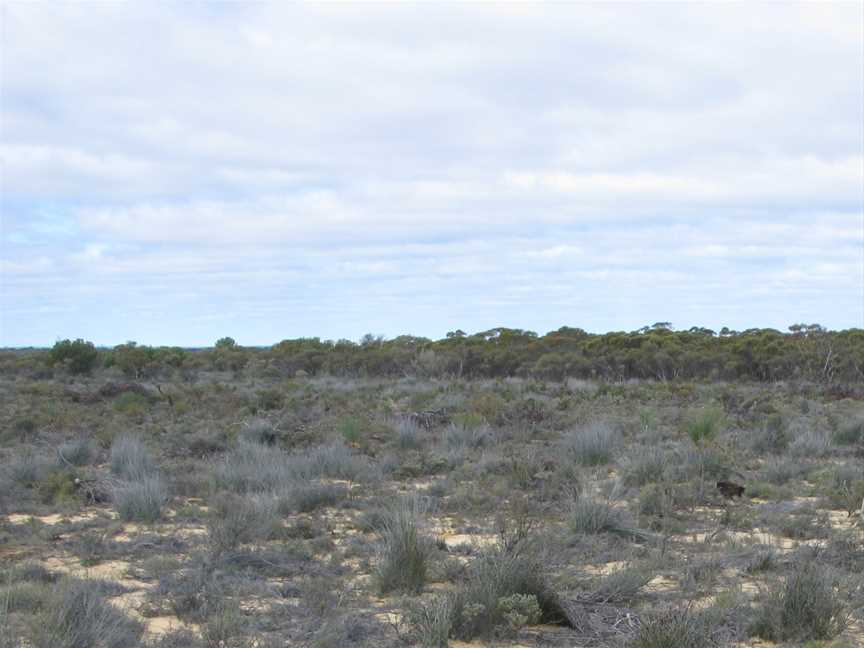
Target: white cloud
614	161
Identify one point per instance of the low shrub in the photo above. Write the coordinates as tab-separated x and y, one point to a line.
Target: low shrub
234	520
57	487
131	404
78	452
780	471
849	433
503	589
259	431
305	497
810	444
27	469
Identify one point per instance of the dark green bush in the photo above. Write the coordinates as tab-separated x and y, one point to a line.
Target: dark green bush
79	357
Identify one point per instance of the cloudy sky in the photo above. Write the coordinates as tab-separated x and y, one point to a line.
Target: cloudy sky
173	173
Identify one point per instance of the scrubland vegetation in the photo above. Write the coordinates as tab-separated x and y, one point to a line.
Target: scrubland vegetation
500	489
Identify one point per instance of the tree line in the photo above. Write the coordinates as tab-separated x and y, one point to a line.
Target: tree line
658	352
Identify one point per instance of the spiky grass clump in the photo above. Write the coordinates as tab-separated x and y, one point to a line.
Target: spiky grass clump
142	493
593	445
704	426
674	629
432	621
142	500
234	520
593	516
646	465
129	458
806	606
78	616
403	552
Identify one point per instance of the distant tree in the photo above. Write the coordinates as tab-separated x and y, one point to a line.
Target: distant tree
79	357
225	343
132	359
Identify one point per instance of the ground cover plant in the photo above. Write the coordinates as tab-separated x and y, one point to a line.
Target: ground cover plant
480	489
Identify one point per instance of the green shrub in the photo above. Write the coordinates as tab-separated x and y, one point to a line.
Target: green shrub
58	487
519	610
351	429
79	357
850	433
803	607
131	404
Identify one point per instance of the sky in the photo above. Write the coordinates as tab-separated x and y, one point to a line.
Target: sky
173	173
